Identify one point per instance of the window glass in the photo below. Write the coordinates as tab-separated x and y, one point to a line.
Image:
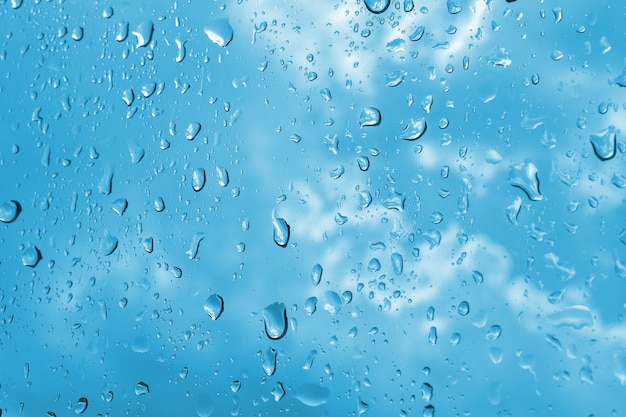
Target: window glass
255	207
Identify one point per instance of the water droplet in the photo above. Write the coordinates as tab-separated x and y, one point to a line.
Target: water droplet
576	316
427	391
524	176
106	182
198	179
363	162
395	200
109	244
192	130
500	58
220	32
377	6
417	34
463	308
119	206
397	262
619	366
455	339
432	335
604	143
9	211
494	332
365	199
310	305
31	256
395	78
477	276
136	151
159	204
395	46
275	318
148	245
340	218
268	359
235	386
279	391
370	116
557	55
373	265
494	393
81	405
415	129
181	50
142	388
316	274
331	302
122	31
194	245
512	211
214	306
143	33
222	176
325	93
312	395
453	7
281	230
429	411
16	4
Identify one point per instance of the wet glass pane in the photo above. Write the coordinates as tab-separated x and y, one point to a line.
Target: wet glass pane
381	207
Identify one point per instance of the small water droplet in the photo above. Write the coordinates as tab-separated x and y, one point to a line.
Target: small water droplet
316	274
432	335
332	302
397	262
119	206
494	332
417	34
310	305
159	204
453	7
214	306
463	308
275	318
148	245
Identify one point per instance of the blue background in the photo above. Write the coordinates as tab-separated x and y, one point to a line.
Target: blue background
95	107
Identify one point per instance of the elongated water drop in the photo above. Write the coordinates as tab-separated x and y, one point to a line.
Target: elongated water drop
198	179
194	245
143	33
192	130
397	262
281	230
275	318
268	359
222	176
316	274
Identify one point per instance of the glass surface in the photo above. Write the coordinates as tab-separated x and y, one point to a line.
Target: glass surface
256	208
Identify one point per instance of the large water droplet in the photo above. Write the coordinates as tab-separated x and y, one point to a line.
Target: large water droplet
312	395
143	33
281	230
417	34
463	308
275	318
377	6
316	274
142	388
604	143
268	358
192	130
426	391
136	151
9	211
524	176
31	256
119	206
332	302
370	116
432	335
198	179
220	32
415	129
214	306
81	405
